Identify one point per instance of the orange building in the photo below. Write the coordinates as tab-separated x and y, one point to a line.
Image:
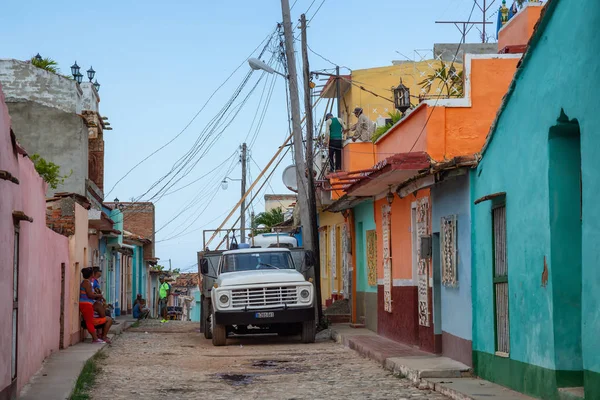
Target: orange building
397	174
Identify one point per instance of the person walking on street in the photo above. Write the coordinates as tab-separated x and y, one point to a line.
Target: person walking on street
364	128
163	292
334	136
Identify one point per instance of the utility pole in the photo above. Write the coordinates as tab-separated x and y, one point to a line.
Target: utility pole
312	201
337	92
243	206
252	226
305	215
169	264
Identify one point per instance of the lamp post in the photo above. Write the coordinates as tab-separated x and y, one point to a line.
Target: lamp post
97	85
38	57
91	73
75	70
401	97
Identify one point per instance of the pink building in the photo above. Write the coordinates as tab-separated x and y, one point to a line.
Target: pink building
33	260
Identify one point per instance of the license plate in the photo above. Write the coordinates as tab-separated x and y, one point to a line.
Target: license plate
264	314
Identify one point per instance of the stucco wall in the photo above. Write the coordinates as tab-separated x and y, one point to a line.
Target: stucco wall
365	219
560	74
57	136
78	255
41	254
23	82
453	197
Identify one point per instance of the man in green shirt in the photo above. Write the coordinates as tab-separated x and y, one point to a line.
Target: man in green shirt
164	291
334	135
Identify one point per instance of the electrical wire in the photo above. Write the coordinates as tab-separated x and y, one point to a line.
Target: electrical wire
268	39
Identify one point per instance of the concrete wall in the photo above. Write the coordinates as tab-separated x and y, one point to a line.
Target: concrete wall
44	107
452	197
23	82
558	74
40	257
447	51
57	136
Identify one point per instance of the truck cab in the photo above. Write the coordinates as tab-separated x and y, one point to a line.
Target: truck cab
256	290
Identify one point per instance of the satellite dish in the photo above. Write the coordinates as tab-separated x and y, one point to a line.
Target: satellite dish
289	178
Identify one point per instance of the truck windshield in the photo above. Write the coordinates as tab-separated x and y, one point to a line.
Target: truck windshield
257	261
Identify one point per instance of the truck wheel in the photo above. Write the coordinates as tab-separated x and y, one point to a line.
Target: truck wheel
309	329
219	334
207	319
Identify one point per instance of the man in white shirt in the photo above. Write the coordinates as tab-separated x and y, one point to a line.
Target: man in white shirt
364	128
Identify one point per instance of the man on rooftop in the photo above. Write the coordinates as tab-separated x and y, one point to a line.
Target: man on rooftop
334	135
364	128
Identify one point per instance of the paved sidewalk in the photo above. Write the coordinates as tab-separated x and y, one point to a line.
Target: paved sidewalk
59	373
442	374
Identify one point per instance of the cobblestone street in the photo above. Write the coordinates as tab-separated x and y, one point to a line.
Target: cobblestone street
155	361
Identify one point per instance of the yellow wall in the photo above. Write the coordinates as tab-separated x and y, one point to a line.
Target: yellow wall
381	80
328	220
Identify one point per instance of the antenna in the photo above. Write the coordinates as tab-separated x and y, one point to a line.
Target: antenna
464	27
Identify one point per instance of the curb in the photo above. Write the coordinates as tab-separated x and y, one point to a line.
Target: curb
417	377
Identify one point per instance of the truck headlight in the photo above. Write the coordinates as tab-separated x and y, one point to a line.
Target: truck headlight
304	294
224	299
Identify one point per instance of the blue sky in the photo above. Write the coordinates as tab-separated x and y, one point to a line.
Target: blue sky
158	62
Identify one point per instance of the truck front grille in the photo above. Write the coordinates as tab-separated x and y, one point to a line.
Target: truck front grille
260	297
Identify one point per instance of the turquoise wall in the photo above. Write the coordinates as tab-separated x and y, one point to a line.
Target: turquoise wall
561	73
448	198
195	315
364	220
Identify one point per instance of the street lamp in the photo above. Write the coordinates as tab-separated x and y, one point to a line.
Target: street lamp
38	57
257	64
401	97
79	78
75	70
117	204
91	73
390	196
97	85
225	184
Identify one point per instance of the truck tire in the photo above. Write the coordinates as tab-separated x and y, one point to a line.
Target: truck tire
309	329
219	334
207	319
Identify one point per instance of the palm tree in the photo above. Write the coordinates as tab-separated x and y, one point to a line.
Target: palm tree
46	63
451	81
268	219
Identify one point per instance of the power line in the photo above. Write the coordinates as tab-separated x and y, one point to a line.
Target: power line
268	38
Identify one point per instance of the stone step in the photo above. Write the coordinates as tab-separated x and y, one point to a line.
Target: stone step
571	393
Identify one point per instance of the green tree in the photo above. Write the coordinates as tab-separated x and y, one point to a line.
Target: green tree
451	82
177	271
268	219
46	63
158	268
49	171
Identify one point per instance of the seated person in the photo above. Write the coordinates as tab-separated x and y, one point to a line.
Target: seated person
140	311
87	298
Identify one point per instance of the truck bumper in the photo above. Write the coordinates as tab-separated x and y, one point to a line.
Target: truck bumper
259	317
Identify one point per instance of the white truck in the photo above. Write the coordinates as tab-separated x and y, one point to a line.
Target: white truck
256	290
